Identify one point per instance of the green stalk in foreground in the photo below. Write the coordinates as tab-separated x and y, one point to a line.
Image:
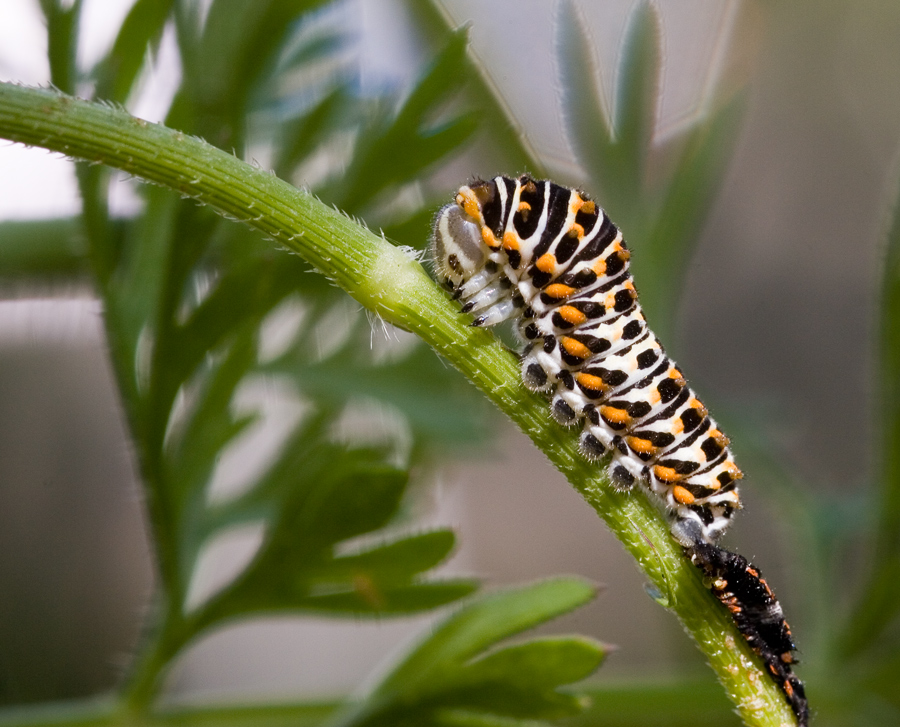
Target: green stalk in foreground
389	282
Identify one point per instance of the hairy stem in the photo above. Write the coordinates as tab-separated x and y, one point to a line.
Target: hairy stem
389	282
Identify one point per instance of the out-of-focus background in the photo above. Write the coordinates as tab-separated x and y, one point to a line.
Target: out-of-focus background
774	327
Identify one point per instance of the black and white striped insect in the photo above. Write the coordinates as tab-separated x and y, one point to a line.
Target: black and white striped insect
549	257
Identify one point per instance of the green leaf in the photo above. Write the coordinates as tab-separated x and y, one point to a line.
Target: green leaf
191	455
300	136
615	160
62	42
320	46
399	149
479	625
456	677
239	43
242	294
416	553
362	598
319	495
438	404
587	122
140	276
506	135
142	28
637	93
537	662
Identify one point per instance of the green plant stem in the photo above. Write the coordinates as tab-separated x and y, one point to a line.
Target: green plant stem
160	647
389	282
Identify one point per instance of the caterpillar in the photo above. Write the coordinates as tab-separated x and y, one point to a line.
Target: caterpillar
740	587
550	258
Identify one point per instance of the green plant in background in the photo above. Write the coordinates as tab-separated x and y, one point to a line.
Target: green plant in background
662	217
186	295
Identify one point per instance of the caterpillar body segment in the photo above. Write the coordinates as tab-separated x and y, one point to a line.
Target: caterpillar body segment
548	256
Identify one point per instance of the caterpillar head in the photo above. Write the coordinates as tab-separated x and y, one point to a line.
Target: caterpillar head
457	248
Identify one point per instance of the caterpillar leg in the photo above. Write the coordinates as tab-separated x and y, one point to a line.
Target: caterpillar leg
688	529
625	471
591	448
537	368
497	313
567	406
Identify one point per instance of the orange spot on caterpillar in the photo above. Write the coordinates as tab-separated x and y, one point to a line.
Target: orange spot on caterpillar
599	267
640	445
559	291
682	494
576	230
489	238
572	315
546	263
467	200
665	474
510	241
589	381
615	415
575	348
698	405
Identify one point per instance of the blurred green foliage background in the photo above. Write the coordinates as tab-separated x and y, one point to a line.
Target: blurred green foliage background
748	154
